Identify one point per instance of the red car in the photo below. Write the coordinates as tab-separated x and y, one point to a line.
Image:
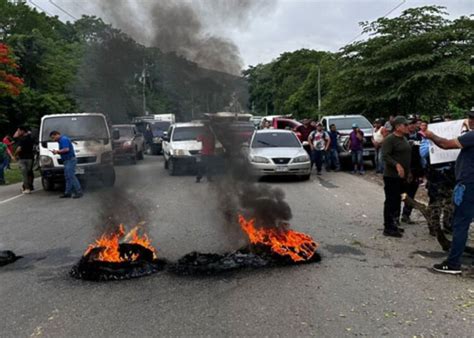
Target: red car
289	124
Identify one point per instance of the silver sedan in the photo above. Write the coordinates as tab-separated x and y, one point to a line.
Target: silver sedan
278	152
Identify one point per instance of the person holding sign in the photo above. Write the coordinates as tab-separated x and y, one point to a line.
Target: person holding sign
463	195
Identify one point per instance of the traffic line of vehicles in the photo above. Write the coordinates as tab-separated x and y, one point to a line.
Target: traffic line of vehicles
275	151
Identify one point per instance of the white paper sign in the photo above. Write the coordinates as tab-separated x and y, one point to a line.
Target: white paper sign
448	130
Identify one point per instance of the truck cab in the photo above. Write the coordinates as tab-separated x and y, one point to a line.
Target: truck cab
90	135
344	126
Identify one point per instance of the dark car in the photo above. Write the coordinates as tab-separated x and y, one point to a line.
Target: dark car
130	145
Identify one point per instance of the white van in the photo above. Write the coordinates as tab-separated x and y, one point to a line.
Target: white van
92	141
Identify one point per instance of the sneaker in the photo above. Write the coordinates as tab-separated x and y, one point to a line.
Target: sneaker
78	195
65	196
446	268
392	233
26	191
362	172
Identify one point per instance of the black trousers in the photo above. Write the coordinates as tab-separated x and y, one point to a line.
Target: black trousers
410	189
205	167
394	187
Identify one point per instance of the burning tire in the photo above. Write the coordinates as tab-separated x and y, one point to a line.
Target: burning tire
144	264
118	256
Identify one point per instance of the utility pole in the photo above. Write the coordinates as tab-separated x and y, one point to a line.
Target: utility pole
319	89
145	111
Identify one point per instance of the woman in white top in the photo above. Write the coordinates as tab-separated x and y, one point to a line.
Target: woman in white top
378	135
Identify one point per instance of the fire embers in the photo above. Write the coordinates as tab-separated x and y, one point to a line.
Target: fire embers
268	247
118	256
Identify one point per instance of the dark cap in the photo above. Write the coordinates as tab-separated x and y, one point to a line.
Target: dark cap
399	120
471	112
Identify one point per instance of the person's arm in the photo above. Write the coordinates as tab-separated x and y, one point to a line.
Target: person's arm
328	142
310	141
442	142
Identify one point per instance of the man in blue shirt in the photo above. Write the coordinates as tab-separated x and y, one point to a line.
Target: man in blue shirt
66	150
463	196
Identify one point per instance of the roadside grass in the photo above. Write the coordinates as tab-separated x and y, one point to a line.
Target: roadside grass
13	175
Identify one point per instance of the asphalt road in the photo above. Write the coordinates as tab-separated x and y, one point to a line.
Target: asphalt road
366	284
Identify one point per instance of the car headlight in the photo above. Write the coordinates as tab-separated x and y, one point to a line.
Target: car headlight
46	161
157	140
259	159
107	157
301	159
179	152
127	144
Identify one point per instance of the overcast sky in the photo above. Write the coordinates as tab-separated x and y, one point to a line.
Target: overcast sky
289	25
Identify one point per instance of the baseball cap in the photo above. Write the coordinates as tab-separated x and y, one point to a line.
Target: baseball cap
355	125
399	120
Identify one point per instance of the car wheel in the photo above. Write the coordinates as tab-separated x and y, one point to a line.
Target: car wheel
305	177
108	177
48	184
133	159
172	167
141	155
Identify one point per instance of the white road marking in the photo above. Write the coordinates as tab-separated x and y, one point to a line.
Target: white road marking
17	196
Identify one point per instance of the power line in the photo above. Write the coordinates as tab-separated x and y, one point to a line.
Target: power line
387	14
37	6
62	10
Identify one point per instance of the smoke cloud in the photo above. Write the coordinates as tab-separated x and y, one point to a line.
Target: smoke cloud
185	27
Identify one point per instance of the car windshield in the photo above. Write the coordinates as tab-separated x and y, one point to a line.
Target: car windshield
158	128
76	127
187	133
343	123
125	131
265	140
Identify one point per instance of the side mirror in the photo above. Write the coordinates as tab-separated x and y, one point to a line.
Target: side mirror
165	133
165	138
115	134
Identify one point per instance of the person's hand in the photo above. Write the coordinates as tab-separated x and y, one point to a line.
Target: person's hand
400	170
55	152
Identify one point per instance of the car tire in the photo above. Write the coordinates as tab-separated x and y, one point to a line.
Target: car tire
140	155
133	159
172	167
305	177
48	184
108	177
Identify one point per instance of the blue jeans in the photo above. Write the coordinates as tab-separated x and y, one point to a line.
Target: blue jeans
3	165
318	158
72	183
379	165
463	216
332	159
358	159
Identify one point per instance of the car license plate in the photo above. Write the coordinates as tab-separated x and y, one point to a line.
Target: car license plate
281	169
79	171
365	153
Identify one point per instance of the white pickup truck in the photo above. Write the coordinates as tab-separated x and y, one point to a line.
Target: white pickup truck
92	141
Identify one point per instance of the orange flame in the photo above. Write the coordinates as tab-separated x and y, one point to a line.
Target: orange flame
298	246
110	244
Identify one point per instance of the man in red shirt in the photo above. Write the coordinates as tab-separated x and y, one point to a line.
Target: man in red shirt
9	143
208	142
304	130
